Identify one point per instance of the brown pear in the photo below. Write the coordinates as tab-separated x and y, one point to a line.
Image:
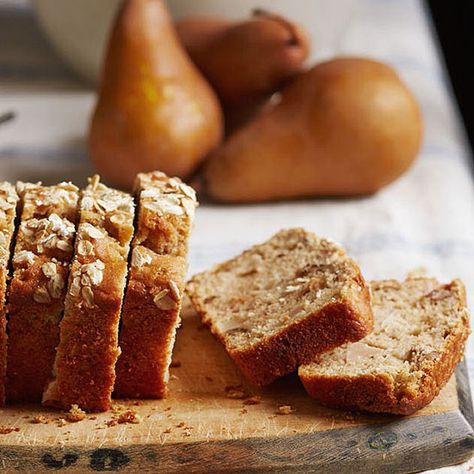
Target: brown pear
155	111
346	127
248	59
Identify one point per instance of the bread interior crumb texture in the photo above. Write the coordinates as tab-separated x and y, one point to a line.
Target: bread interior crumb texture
413	321
275	284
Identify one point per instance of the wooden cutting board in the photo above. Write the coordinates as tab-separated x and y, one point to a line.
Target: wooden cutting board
201	428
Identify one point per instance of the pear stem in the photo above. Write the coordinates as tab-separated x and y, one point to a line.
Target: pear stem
294	35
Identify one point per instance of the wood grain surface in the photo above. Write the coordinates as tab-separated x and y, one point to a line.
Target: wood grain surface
201	428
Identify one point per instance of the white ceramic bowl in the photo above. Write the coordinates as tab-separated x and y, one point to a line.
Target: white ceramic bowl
78	28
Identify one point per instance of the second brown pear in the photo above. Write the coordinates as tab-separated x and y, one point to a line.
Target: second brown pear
346	127
155	110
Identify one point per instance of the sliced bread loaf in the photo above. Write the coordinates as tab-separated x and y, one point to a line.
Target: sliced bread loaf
41	260
84	368
420	331
156	284
8	208
282	302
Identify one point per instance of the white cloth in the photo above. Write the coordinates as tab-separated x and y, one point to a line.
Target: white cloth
425	219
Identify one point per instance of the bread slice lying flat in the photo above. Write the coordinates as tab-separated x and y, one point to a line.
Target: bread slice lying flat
420	331
281	303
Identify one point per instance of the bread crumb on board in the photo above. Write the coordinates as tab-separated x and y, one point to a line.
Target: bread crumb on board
236	392
128	416
8	429
285	410
39	419
254	400
75	414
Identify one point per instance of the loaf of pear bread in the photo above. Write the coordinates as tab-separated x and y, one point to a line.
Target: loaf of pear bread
419	335
8	209
84	368
280	303
41	260
156	283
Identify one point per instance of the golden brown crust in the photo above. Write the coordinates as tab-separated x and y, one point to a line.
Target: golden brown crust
88	348
147	332
8	208
377	392
274	357
43	251
153	298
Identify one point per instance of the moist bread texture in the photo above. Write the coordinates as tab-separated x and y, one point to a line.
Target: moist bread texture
84	368
281	303
156	284
41	260
8	209
419	336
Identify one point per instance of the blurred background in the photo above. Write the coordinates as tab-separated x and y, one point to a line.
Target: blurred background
50	58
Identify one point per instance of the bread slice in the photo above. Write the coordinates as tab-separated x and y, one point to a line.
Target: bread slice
282	302
156	284
41	260
421	327
84	368
8	209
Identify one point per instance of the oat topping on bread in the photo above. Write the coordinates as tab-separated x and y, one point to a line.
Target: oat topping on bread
419	335
43	251
282	302
167	208
156	284
84	368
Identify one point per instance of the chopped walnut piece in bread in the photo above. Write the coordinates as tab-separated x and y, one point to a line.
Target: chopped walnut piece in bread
41	259
84	369
8	211
282	302
420	331
156	284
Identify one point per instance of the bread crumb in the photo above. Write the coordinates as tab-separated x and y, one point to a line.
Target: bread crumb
285	410
236	392
61	422
129	416
75	414
173	377
175	363
8	429
39	419
254	400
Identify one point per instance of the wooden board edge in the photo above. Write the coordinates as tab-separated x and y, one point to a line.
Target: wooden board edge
464	392
398	446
